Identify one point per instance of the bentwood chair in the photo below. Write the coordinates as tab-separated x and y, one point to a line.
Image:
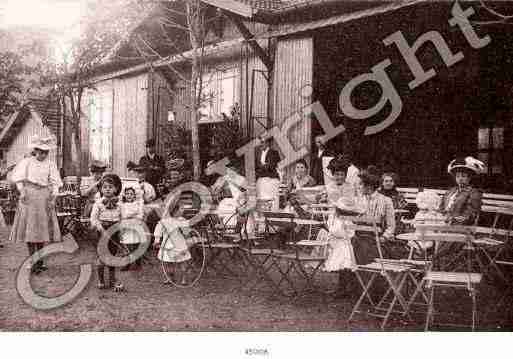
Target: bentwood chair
392	272
447	278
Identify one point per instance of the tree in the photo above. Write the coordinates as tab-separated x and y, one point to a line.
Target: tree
188	20
104	24
12	71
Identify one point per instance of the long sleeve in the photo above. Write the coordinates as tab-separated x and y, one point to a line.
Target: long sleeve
19	172
389	218
95	215
159	232
473	206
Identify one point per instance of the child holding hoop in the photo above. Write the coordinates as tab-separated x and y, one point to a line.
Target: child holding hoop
170	239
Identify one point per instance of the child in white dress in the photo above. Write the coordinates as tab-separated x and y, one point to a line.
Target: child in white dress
170	238
131	208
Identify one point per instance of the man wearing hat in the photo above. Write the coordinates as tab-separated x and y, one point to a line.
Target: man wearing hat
97	169
268	180
153	163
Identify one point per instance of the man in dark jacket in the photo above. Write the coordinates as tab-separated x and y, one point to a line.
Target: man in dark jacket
266	165
154	164
317	155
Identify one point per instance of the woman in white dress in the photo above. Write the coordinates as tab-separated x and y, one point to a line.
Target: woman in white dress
38	181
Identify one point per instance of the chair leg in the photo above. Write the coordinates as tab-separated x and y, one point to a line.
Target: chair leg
430	307
474	308
366	288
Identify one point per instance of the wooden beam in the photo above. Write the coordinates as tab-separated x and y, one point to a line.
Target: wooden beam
250	38
235	7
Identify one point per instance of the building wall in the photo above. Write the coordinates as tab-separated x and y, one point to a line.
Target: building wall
293	71
129	108
439	119
18	149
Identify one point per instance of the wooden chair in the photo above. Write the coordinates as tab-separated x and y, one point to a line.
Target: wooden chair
435	278
393	273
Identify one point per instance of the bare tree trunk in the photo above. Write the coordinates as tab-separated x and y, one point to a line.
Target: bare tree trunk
195	33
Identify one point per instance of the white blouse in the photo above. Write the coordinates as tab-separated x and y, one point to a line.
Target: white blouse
132	210
42	173
101	213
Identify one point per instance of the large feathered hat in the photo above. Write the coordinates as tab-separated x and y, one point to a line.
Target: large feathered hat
467	163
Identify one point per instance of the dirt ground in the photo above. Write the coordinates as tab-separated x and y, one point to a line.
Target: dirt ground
214	304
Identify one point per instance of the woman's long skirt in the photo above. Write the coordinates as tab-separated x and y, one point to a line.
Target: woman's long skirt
34	222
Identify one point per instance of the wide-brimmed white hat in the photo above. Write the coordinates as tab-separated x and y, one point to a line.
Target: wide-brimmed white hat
468	163
42	143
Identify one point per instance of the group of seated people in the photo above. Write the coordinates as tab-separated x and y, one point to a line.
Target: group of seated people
350	190
374	194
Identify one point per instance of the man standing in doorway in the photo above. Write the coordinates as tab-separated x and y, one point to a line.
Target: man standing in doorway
154	164
268	180
317	155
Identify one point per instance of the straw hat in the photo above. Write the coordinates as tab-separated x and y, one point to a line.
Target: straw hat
42	143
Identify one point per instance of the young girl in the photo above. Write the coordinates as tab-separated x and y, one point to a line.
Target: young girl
106	212
131	209
169	237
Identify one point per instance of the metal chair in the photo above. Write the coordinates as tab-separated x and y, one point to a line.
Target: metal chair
394	274
259	250
222	246
434	278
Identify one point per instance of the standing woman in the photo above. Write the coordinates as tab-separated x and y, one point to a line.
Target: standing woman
38	181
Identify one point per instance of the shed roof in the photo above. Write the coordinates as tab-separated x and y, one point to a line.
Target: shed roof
48	110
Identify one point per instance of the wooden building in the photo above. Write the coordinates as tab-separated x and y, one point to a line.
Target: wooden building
275	57
35	117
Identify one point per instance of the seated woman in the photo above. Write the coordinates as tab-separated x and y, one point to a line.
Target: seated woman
338	167
462	203
347	249
301	178
388	188
228	190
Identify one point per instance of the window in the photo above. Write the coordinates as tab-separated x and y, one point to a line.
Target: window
219	92
490	147
100	127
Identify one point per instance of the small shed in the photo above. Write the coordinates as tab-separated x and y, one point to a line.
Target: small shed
35	117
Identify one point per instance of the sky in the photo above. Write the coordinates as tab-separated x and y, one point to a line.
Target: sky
53	14
61	17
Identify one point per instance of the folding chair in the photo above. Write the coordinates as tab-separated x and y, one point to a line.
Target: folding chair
305	258
259	251
394	274
495	245
448	279
221	246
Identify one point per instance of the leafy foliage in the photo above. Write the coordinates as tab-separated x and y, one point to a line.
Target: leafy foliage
12	71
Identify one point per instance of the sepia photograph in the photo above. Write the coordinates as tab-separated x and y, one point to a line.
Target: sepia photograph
256	166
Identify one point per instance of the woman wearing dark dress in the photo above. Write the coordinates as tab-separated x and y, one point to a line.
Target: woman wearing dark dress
462	203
